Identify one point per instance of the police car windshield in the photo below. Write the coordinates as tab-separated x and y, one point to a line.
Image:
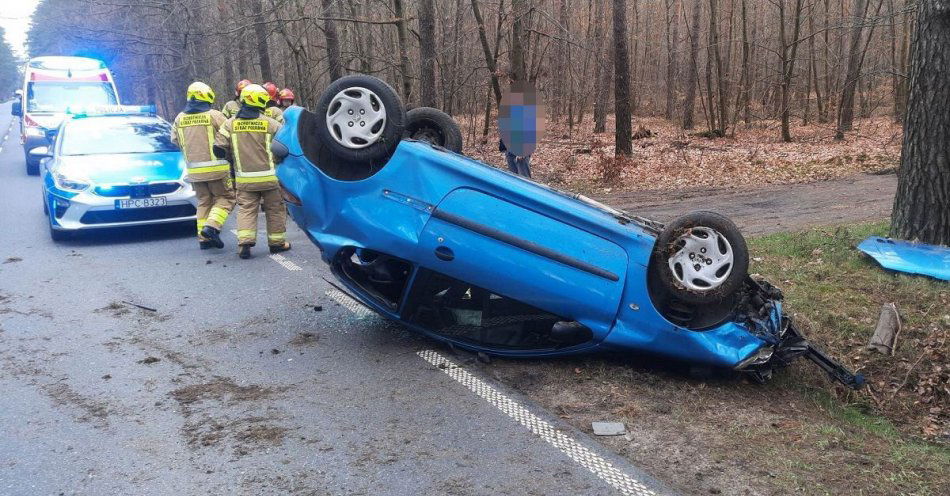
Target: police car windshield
109	135
57	96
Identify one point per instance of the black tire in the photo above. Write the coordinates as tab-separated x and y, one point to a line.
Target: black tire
58	236
377	153
32	165
666	246
434	126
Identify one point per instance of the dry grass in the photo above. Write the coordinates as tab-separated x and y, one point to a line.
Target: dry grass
676	159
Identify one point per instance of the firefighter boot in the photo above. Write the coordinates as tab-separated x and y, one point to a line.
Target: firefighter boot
213	235
244	251
280	248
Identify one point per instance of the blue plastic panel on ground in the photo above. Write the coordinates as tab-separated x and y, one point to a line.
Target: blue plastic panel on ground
905	256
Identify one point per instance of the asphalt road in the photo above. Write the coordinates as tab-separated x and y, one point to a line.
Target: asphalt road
236	384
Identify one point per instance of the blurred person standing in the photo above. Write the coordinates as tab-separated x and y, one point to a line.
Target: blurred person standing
248	136
521	120
232	106
193	131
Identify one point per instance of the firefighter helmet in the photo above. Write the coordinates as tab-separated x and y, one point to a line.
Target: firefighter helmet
240	86
286	95
255	96
200	91
271	89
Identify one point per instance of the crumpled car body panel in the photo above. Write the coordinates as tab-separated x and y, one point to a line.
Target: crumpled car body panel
438	212
909	257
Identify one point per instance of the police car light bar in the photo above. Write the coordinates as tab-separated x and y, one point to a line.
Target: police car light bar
91	110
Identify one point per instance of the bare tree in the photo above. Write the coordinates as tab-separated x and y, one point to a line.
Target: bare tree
427	53
846	108
333	41
624	132
692	75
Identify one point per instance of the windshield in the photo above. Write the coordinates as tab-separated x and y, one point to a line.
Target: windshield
57	96
104	135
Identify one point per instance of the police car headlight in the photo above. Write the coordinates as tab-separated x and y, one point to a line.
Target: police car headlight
69	183
36	132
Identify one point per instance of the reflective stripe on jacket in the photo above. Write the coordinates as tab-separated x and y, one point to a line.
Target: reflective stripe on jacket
249	141
195	134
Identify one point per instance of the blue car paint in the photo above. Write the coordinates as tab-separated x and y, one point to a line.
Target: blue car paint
906	256
120	168
391	212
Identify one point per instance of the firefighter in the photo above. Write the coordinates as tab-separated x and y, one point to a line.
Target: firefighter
247	136
272	110
194	131
286	97
233	106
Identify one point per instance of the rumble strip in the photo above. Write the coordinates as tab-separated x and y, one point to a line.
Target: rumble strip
600	467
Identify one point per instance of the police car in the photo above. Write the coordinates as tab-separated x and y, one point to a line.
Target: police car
113	166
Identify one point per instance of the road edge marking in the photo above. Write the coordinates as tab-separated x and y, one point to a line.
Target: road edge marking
606	471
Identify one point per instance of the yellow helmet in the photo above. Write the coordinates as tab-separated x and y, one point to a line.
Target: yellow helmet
200	91
255	95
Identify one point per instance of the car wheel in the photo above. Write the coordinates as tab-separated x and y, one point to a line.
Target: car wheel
700	258
32	165
434	126
362	120
58	235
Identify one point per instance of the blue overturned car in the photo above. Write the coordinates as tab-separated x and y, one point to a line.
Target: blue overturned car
488	261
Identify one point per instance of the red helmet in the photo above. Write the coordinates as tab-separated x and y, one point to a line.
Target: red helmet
240	86
286	94
271	90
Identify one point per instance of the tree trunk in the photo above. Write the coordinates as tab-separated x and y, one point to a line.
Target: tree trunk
260	30
722	88
846	108
486	50
672	43
922	202
333	41
692	75
402	33
789	50
602	72
427	53
518	70
623	134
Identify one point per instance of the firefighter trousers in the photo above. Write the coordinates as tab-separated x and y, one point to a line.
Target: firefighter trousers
249	203
215	201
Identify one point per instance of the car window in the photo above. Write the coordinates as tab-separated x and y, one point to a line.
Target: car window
106	135
57	97
462	311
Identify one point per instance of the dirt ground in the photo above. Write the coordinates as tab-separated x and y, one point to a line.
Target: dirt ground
772	208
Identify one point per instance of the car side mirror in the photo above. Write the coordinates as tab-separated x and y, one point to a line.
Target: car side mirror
40	152
279	150
17	109
51	134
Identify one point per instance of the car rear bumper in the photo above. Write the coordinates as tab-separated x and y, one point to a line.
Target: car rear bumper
88	210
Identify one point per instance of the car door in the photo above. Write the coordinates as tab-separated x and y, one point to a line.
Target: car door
521	254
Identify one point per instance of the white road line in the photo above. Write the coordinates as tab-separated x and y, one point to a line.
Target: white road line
600	467
350	304
287	264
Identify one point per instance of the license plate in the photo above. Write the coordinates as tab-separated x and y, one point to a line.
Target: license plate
140	203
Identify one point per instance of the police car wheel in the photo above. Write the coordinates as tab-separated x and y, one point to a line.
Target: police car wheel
700	258
434	126
364	120
32	165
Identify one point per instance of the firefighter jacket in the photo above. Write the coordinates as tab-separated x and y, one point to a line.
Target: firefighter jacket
195	134
275	113
231	108
249	142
